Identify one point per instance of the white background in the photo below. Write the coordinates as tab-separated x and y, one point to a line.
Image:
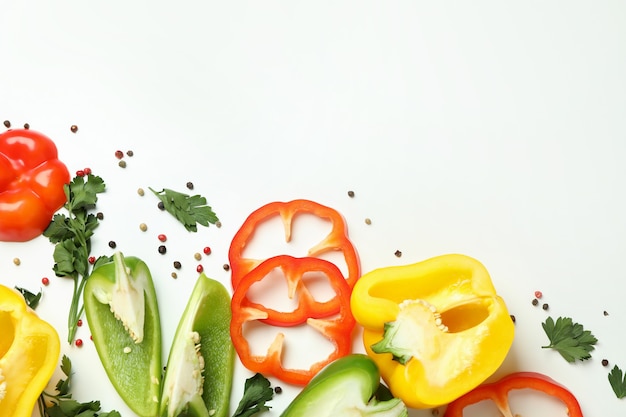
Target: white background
493	129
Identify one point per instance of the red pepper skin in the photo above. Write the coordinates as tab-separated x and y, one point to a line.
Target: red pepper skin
337	329
337	239
498	392
32	181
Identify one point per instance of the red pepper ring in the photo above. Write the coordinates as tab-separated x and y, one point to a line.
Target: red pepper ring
337	329
293	270
336	240
498	392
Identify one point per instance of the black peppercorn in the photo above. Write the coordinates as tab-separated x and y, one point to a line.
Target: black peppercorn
99	215
535	301
605	362
398	253
177	265
162	249
74	128
190	185
350	194
161	206
278	390
7	124
545	306
112	244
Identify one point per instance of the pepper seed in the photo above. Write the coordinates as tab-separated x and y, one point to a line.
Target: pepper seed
74	128
398	253
122	164
226	267
7	124
112	244
512	318
368	221
278	390
190	185
130	153
26	126
177	265
197	256
535	301
545	306
605	362
17	261
143	227
141	192
174	275
161	205
218	224
350	193
162	249
100	215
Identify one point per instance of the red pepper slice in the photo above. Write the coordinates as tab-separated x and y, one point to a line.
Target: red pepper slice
337	329
336	240
32	181
498	392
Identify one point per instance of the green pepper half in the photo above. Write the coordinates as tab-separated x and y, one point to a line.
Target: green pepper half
123	316
200	366
348	386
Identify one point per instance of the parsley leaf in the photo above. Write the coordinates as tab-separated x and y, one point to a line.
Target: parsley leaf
71	234
189	210
32	300
62	404
257	391
618	382
570	339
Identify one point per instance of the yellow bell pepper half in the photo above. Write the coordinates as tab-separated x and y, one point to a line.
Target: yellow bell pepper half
29	352
436	328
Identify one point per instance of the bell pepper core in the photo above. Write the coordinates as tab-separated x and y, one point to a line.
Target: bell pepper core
346	386
436	328
336	240
29	352
123	316
32	181
498	392
200	367
338	328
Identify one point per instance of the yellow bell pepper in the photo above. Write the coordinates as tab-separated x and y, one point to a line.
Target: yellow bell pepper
436	328
29	352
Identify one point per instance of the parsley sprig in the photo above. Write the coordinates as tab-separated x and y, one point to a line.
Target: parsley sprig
568	338
189	210
71	235
257	391
32	299
61	404
618	382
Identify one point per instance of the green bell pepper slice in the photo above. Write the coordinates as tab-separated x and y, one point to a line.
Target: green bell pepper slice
199	372
123	317
347	386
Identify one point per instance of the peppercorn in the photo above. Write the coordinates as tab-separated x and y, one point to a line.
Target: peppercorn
197	256
206	250
398	253
512	318
535	301
79	342
177	265
26	126
350	194
87	171
7	124
74	128
606	313
161	205
545	306
218	224
538	294
112	244
45	281
140	191
199	269
162	249
119	154
174	275
605	362
368	221
190	185
226	267
162	237
99	215
122	164
17	261
130	153
143	227
278	390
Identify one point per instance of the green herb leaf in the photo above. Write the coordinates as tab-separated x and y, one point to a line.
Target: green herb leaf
189	210
32	300
71	234
62	404
257	391
618	382
570	339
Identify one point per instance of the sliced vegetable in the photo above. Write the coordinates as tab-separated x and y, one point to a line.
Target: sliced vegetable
498	393
345	387
336	240
436	329
29	352
123	316
32	179
336	326
200	367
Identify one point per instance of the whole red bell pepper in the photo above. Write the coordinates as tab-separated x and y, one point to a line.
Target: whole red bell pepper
498	392
32	182
335	325
336	240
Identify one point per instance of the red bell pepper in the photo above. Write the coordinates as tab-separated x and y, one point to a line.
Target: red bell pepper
336	240
498	392
337	329
32	181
